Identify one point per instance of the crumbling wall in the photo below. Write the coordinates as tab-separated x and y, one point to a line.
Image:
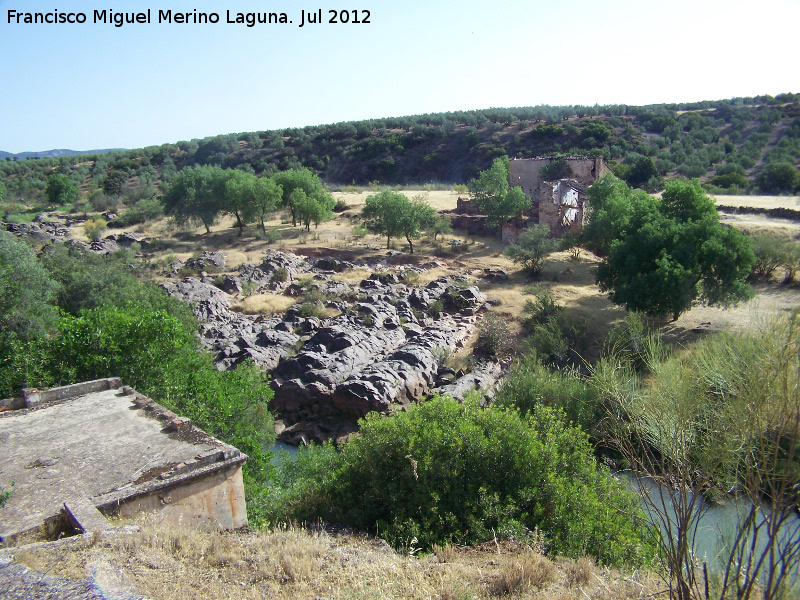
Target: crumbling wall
562	207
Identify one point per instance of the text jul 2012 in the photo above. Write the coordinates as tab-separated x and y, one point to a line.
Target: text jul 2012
118	19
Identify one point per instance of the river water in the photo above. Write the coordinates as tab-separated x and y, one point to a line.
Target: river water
719	523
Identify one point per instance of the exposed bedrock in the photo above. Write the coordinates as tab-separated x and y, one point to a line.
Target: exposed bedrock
403	376
381	353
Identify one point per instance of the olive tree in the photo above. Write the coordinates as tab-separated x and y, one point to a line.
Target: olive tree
392	214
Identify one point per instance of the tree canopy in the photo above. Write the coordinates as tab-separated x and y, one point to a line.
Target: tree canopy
200	194
492	194
392	214
60	189
305	180
666	254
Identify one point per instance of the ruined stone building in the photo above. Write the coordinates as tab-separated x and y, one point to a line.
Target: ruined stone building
80	453
558	201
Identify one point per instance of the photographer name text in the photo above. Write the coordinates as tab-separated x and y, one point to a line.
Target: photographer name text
317	16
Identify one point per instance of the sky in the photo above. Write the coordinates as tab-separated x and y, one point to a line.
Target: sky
93	85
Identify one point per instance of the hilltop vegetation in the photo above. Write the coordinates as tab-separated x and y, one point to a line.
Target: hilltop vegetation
731	145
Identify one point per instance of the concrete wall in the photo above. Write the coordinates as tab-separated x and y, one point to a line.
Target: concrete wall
215	500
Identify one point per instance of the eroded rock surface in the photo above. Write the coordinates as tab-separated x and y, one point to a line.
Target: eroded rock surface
380	353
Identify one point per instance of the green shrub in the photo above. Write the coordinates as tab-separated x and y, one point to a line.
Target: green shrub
95	228
541	309
771	252
436	308
530	384
280	275
146	209
311	309
444	472
270	235
532	248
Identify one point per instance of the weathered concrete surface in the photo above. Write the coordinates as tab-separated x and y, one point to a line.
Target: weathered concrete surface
90	445
216	500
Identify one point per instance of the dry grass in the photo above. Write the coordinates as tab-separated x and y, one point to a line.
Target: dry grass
792	202
352	275
523	573
169	562
579	572
265	304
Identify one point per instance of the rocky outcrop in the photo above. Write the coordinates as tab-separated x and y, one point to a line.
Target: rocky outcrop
381	353
275	272
404	376
483	378
207	261
231	336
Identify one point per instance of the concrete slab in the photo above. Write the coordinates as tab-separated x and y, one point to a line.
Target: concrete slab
112	441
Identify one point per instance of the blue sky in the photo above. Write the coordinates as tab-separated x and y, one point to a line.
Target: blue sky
97	86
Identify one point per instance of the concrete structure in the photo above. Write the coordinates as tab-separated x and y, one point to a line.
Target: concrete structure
79	453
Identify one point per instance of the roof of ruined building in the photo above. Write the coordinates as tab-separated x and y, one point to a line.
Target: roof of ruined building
96	440
578	187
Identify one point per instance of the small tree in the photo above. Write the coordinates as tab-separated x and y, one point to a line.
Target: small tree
779	177
60	190
492	194
392	214
441	226
532	248
310	209
266	196
191	197
113	183
418	216
305	180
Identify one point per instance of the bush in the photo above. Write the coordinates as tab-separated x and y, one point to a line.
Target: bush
541	309
311	309
559	341
771	252
436	308
444	472
95	228
530	384
557	338
269	235
280	275
532	248
494	336
143	211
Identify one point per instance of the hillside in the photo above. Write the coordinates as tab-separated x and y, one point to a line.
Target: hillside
52	153
726	143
